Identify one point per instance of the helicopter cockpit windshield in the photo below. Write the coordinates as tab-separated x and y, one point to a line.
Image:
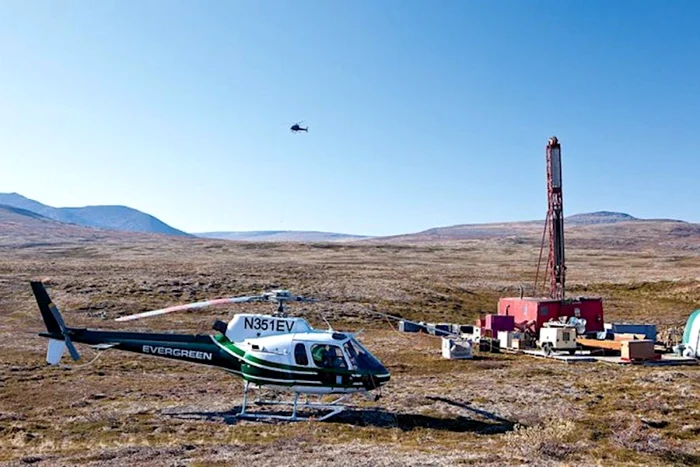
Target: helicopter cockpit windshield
361	358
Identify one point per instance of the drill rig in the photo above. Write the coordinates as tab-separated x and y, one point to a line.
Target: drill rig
533	312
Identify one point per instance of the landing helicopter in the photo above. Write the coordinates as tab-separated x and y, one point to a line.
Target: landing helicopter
296	128
271	351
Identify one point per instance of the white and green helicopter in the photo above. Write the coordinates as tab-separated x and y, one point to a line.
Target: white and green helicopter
271	351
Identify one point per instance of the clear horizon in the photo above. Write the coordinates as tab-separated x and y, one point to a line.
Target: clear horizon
419	116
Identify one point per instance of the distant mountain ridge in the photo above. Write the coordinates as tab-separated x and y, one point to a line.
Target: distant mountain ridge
20	228
281	236
120	218
608	217
21	214
599	217
453	232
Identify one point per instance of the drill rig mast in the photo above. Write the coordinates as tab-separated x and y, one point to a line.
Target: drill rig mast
555	216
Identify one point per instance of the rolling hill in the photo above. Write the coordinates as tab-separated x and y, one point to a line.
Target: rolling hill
455	232
21	227
596	230
120	218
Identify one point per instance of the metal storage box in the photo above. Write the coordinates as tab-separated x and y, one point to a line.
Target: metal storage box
405	326
463	328
649	330
440	329
499	323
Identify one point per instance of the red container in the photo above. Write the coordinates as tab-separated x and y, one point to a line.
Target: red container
541	310
498	323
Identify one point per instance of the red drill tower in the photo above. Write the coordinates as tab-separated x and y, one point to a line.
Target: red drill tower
555	215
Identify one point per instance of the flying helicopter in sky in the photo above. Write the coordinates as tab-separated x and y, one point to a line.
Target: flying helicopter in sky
296	128
273	351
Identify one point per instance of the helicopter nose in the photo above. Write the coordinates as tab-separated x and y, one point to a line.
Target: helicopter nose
379	378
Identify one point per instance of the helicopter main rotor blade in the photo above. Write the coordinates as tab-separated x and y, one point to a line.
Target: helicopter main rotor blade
276	297
189	306
295	298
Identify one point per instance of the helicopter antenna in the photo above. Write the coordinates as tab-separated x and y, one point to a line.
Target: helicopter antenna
280	309
330	328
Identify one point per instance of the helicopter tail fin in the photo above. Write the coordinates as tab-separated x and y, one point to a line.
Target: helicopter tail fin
59	334
44	302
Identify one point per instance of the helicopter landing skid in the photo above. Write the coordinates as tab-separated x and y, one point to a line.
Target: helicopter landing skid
333	408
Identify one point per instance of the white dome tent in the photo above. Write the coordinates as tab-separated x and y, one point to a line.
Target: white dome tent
691	336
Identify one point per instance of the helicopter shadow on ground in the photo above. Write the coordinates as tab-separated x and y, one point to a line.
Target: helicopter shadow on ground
381	418
484	423
229	417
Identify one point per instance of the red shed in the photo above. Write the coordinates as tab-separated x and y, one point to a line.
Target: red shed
542	310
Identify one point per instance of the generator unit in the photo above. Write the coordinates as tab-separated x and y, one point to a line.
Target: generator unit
555	336
456	349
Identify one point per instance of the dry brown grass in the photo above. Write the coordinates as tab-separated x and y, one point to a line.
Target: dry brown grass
496	409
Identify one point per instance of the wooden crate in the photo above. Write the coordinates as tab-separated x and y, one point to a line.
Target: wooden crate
632	350
600	344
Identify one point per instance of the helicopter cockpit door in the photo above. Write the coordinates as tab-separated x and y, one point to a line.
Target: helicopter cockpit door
331	357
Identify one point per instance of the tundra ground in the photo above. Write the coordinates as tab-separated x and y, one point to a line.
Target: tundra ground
496	409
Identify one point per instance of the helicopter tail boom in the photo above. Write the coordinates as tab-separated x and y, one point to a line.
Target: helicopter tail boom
191	348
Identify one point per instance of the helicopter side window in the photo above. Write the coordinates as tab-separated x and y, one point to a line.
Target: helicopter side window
300	355
328	356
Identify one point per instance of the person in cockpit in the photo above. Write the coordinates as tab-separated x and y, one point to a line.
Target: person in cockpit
322	356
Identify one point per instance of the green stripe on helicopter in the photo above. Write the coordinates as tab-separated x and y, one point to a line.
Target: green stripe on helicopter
254	365
227	344
258	370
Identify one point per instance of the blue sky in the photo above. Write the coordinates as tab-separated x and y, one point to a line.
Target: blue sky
421	113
